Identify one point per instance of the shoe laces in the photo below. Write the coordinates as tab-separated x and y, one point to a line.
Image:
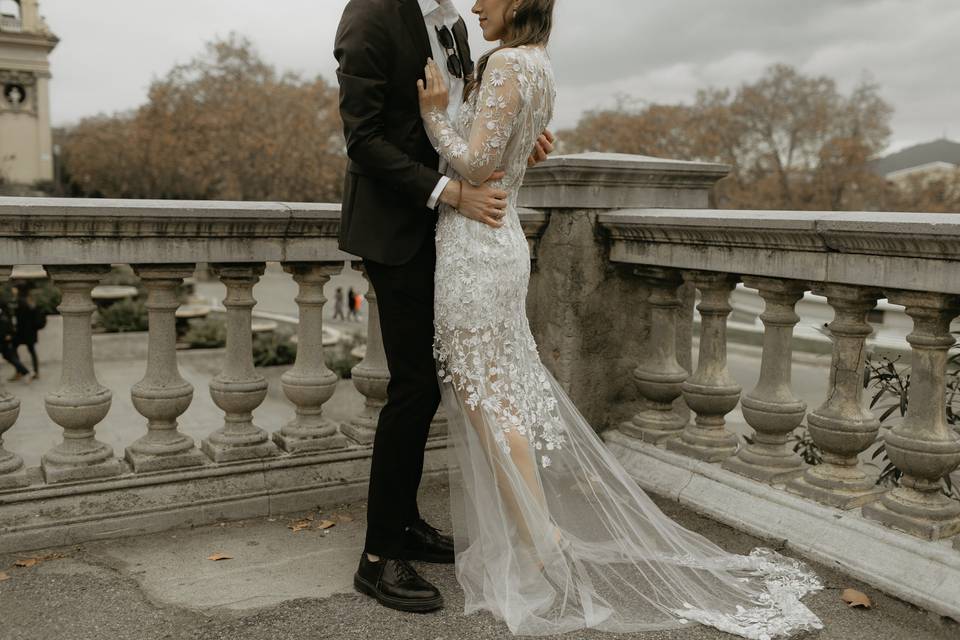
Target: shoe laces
405	571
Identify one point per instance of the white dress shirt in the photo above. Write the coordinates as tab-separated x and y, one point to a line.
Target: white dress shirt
439	13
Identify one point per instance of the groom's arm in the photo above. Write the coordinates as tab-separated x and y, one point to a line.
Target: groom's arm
365	53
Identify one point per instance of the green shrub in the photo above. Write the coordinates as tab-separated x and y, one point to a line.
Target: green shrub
339	358
274	348
208	333
123	316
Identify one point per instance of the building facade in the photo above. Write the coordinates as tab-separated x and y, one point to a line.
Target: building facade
26	153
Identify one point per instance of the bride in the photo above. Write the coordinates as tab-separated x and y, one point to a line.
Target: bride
551	534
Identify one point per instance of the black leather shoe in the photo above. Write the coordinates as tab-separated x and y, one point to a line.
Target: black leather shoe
395	584
423	542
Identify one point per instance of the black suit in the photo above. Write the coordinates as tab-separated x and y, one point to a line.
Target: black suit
382	47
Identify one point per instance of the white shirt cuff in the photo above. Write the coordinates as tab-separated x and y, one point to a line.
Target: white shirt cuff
435	196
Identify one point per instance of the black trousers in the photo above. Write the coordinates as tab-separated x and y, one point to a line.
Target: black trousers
9	353
405	299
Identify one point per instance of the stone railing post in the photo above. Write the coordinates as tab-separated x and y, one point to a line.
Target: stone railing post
162	395
585	309
771	408
310	383
923	446
80	402
842	427
371	376
12	472
711	392
238	389
659	377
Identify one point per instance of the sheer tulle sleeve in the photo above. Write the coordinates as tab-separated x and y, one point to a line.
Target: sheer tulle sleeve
498	105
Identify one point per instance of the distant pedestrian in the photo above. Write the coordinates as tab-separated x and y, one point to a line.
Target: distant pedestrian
352	305
7	346
338	304
30	319
358	304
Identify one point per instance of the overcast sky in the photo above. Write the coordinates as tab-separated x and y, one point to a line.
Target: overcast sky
650	50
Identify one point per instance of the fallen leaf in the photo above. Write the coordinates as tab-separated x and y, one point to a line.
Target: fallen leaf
856	598
3	576
220	556
26	562
299	525
326	524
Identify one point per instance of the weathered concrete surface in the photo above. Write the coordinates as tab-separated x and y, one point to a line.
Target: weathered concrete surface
279	586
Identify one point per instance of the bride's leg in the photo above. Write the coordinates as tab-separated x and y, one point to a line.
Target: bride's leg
523	461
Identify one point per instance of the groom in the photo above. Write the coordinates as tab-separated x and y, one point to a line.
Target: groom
393	185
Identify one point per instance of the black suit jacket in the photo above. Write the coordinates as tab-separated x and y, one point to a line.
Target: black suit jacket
382	47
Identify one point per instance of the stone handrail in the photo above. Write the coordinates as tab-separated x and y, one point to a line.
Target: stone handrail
76	241
854	260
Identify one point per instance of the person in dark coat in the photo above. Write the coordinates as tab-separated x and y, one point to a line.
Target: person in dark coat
352	305
8	347
30	319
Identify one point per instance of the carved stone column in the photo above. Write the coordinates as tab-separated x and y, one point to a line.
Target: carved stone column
842	427
711	392
163	395
371	376
923	446
80	402
12	472
238	389
771	408
310	383
659	377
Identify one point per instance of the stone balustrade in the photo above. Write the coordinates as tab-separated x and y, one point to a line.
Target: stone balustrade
624	252
853	260
162	477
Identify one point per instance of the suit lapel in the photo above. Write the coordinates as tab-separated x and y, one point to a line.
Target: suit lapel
463	46
413	17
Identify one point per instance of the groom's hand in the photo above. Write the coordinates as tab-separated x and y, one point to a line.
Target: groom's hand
484	203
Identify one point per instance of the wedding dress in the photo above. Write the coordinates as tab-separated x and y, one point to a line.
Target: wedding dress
551	533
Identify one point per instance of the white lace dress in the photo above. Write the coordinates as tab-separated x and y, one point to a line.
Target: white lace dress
551	533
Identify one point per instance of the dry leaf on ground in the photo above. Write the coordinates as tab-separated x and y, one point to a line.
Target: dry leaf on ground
220	556
26	562
3	576
299	525
326	524
856	598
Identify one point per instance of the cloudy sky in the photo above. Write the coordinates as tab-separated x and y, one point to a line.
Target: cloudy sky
649	50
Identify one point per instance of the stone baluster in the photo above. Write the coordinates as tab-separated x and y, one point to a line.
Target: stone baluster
310	383
711	392
162	395
371	376
771	408
924	446
842	427
659	376
12	472
238	389
80	402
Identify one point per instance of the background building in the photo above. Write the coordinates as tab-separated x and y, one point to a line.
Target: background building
26	154
927	161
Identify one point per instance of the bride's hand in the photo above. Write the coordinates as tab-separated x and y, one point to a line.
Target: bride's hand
433	92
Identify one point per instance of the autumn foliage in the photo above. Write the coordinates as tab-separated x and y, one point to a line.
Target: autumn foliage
224	126
792	142
228	126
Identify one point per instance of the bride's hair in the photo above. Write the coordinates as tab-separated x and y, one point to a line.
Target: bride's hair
530	25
